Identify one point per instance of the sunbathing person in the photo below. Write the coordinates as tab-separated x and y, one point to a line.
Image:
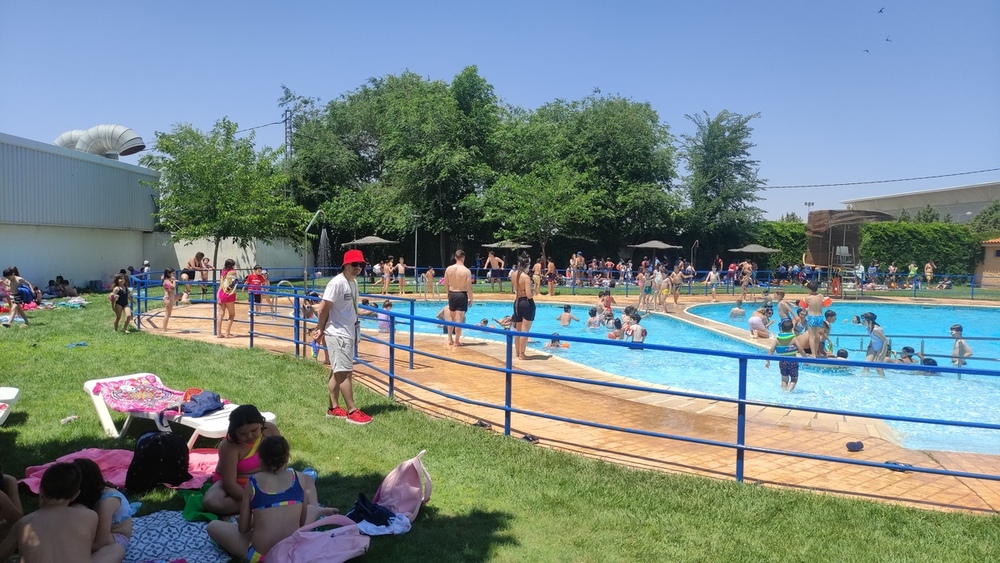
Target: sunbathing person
268	517
238	459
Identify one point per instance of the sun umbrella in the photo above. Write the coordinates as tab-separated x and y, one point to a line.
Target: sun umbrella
369	240
655	244
755	249
507	244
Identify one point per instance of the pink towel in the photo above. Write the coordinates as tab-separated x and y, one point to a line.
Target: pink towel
114	465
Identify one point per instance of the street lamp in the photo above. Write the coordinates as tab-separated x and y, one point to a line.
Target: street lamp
416	223
809	205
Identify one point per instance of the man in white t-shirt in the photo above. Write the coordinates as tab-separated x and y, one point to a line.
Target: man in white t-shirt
337	325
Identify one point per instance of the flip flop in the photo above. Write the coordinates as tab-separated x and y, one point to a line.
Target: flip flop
530	438
898	466
482	424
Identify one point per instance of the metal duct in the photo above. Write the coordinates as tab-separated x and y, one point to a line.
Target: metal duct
103	140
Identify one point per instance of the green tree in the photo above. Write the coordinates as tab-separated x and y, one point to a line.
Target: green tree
986	223
927	215
216	186
904	217
955	249
791	217
787	236
723	183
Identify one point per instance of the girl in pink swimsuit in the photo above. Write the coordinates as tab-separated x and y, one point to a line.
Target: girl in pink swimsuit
238	459
226	296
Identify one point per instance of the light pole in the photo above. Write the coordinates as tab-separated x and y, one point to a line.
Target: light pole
416	223
809	205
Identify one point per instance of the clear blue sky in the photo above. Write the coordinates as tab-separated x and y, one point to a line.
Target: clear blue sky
926	102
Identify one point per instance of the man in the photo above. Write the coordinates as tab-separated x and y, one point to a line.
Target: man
458	278
337	327
494	270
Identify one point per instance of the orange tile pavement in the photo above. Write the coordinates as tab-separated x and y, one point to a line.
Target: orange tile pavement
784	429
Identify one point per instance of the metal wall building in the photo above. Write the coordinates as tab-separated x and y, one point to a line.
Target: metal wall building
962	203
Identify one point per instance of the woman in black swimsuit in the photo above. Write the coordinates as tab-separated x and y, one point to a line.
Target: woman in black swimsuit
524	305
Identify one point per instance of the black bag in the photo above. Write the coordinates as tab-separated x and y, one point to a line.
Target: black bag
160	457
370	512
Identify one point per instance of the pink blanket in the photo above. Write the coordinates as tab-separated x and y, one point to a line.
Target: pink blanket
143	393
114	465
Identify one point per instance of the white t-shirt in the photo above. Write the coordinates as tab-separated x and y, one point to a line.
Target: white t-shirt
343	298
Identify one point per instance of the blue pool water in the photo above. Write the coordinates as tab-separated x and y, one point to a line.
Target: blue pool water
973	398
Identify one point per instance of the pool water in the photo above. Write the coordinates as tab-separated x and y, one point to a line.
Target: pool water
973	398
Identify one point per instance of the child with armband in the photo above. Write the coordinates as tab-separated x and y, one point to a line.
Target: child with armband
555	343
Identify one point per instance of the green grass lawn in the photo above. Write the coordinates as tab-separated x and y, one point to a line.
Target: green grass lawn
495	498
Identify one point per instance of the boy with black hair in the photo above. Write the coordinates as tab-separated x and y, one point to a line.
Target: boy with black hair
961	350
566	316
58	531
784	345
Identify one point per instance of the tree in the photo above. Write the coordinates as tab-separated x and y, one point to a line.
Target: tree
723	183
903	217
791	217
215	186
986	223
927	215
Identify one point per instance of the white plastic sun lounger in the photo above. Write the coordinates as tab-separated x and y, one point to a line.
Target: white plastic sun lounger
213	425
8	397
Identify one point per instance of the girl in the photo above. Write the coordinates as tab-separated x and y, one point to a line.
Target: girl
238	459
114	513
121	298
524	304
169	295
226	296
429	285
383	318
276	501
13	280
877	345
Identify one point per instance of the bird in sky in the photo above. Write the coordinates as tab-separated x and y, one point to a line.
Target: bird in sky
887	39
882	10
867	51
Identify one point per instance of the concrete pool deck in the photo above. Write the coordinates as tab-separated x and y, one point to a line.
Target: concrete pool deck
713	420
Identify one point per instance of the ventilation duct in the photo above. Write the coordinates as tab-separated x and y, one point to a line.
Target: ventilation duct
106	140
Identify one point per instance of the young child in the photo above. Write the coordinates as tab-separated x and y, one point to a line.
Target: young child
636	330
593	321
712	281
58	531
226	296
10	504
268	517
13	280
555	343
384	324
121	299
114	513
429	285
254	282
961	350
813	304
737	311
169	295
784	345
566	316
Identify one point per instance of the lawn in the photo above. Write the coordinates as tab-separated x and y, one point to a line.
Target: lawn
495	498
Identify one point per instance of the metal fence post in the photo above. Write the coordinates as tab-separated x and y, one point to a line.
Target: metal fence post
508	378
252	313
392	353
412	323
741	420
296	330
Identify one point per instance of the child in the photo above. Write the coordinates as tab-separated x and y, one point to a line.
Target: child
268	517
878	346
10	504
121	298
617	332
503	323
114	513
593	321
254	282
906	356
636	330
13	280
384	323
784	345
737	311
226	297
566	316
712	281
58	531
813	304
429	285
961	350
555	343
169	295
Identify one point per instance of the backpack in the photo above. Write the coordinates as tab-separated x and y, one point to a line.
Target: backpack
160	457
406	488
201	404
306	545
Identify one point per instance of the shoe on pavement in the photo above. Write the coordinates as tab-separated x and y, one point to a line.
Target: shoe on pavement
337	412
358	417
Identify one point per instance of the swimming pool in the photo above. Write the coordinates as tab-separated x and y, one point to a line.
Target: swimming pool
973	398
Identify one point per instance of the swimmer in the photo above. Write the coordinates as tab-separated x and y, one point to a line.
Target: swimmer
737	311
555	343
593	321
566	316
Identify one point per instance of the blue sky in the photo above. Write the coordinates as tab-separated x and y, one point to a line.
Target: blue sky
926	102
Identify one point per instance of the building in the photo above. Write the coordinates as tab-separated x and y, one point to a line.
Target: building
85	217
961	203
988	272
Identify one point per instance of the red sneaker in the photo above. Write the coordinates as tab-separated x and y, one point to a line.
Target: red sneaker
358	417
337	412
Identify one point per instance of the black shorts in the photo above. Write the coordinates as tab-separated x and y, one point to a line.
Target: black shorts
256	298
458	301
190	274
789	371
524	310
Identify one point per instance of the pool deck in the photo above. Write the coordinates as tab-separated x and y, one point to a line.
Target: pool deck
775	428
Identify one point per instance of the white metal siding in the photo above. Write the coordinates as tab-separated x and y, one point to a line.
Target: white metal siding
47	185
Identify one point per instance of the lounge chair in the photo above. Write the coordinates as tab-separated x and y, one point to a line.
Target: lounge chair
143	395
8	397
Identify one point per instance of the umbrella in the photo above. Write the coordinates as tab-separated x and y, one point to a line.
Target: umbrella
655	244
369	240
755	249
507	244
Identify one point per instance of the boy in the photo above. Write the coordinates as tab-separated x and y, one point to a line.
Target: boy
254	282
961	349
593	321
566	316
814	316
58	531
784	345
737	311
636	330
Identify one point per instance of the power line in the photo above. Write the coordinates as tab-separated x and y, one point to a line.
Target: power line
879	181
260	126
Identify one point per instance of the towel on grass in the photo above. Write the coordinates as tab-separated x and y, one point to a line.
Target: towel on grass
114	465
165	535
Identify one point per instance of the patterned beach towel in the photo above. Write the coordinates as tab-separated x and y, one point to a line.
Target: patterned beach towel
139	394
165	535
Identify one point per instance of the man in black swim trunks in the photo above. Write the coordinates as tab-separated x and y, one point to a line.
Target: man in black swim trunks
458	279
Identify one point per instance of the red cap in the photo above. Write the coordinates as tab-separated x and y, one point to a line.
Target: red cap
354	256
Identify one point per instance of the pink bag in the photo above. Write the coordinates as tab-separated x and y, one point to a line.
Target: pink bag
406	488
332	546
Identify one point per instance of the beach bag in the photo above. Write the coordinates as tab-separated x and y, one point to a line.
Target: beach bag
406	488
201	404
307	545
160	457
27	296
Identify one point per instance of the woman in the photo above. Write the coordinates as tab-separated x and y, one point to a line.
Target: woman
121	298
169	295
226	296
524	305
238	459
759	321
189	272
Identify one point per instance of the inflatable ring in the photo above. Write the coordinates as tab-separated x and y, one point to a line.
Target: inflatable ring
835	287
